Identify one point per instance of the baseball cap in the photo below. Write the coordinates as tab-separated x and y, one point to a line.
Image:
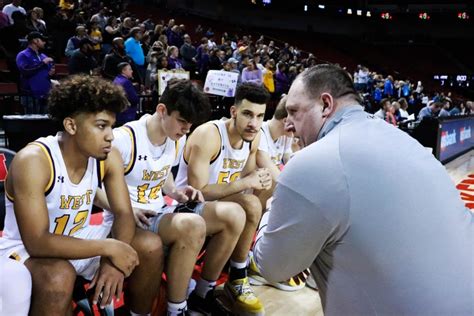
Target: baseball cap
33	35
232	60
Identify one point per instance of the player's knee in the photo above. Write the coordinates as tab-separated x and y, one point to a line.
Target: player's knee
192	229
234	217
148	246
253	208
56	276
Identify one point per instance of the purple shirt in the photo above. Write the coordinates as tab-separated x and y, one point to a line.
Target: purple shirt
34	73
254	76
130	113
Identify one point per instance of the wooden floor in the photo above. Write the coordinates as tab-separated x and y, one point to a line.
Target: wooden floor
304	302
307	301
460	168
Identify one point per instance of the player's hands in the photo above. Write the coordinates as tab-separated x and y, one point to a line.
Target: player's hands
259	179
187	194
108	282
47	60
141	217
122	256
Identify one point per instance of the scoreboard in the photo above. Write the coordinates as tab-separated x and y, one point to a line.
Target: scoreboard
456	80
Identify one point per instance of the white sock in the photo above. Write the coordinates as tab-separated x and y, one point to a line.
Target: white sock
135	314
177	308
238	265
203	287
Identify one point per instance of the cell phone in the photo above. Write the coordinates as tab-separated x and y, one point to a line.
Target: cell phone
187	207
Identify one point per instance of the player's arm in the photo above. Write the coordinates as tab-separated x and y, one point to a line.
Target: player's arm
118	198
263	160
27	180
201	147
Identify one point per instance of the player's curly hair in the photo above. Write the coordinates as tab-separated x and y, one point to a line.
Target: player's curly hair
85	94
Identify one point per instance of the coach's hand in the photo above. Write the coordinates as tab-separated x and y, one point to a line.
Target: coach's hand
122	256
108	281
259	179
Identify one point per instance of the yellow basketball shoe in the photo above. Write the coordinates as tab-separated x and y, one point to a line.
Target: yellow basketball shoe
244	300
295	283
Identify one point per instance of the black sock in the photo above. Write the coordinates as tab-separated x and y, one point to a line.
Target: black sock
237	273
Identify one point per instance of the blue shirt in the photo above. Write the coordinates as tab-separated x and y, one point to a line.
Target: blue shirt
425	112
388	87
34	73
135	51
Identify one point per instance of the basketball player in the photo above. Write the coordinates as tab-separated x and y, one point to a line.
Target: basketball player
149	148
220	160
274	151
337	208
50	190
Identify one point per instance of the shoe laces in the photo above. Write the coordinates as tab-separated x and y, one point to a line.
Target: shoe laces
244	288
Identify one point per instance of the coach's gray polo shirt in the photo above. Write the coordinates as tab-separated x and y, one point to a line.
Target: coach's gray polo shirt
377	218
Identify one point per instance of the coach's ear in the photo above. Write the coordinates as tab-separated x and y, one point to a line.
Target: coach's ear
70	125
328	104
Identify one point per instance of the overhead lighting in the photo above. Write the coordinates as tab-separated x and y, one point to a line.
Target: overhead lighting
349	11
321	6
368	14
305	7
359	12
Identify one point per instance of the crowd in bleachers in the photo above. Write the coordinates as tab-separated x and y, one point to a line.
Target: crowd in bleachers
96	37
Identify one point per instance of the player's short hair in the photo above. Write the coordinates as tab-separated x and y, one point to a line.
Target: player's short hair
252	93
280	111
85	94
191	103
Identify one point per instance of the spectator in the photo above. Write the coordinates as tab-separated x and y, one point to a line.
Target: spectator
188	53
123	80
388	87
100	18
430	111
82	60
15	5
95	35
33	23
234	64
116	56
4	19
174	37
268	81
10	43
214	62
111	30
35	69
134	50
252	74
384	107
445	111
173	60
390	114
73	42
403	109
282	82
